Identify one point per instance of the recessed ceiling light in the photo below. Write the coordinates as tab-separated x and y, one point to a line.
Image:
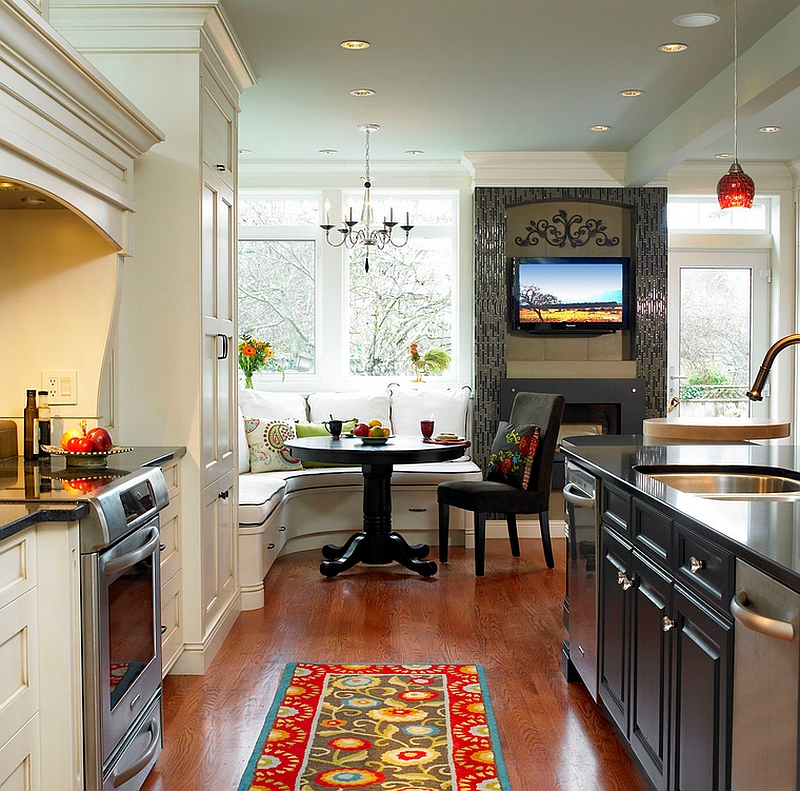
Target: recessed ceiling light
701	19
328	151
723	155
245	151
599	128
674	47
354	44
631	92
8	186
769	129
414	152
362	92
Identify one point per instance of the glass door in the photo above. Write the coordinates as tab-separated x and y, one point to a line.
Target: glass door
718	323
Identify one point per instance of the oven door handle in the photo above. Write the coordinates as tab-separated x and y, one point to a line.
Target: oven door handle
122	777
132	558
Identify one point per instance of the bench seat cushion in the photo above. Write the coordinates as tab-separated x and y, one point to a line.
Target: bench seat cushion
259	495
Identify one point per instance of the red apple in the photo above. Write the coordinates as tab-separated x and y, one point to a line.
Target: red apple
361	430
101	439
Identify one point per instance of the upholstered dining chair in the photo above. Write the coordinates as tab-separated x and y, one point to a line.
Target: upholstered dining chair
508	487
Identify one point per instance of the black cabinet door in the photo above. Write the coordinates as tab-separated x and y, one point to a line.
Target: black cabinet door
650	662
616	596
702	645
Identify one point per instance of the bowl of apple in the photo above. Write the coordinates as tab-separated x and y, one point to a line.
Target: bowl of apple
372	433
85	448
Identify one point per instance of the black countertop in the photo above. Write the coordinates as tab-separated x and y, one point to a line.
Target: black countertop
46	490
765	533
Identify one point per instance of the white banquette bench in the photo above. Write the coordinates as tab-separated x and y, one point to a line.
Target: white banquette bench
290	507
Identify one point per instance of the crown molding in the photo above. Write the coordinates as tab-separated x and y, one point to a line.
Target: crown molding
349	175
546	168
700	177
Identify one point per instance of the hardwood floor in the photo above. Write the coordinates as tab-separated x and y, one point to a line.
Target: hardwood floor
553	737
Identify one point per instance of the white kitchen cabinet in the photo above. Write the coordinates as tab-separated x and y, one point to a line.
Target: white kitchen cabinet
177	358
169	520
40	682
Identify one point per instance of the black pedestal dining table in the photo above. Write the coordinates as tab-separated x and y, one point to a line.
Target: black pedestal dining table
376	543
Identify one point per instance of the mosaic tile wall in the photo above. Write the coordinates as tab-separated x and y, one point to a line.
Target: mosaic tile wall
649	254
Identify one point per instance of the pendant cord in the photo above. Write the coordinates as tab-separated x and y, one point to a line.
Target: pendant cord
366	155
735	81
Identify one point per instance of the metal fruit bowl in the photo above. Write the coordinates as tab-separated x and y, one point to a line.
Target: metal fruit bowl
90	459
376	440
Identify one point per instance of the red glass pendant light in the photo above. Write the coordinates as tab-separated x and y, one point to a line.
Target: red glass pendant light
736	190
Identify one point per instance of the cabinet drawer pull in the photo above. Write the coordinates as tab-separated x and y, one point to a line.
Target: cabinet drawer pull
162	547
759	623
224	495
666	624
220	167
624	580
572	494
270	545
163	628
282	529
696	565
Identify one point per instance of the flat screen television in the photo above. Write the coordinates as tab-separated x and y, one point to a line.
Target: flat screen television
577	296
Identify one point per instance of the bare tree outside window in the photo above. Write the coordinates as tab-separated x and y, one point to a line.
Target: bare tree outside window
407	297
277	296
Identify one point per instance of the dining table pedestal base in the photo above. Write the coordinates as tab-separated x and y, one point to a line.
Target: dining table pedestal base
377	543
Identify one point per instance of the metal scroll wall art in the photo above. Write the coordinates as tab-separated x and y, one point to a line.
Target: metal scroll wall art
562	229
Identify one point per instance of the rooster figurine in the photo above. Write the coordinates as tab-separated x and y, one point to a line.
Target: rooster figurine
434	361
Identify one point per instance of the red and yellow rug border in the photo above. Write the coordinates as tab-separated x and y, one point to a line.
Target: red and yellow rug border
472	741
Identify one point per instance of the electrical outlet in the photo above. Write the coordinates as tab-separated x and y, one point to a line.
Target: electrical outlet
61	386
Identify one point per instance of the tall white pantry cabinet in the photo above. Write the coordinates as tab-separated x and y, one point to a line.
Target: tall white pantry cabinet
176	355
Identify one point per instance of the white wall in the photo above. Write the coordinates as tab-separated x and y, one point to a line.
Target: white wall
56	304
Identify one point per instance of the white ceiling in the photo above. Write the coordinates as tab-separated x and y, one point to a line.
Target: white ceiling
517	75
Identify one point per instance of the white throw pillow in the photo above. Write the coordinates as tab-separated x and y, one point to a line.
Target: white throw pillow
448	408
272	406
344	406
265	439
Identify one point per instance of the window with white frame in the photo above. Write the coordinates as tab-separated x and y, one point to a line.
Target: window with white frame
323	315
702	213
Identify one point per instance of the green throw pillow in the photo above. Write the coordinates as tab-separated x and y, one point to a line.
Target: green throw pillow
319	430
513	451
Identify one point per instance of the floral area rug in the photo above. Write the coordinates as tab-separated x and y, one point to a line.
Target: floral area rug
409	727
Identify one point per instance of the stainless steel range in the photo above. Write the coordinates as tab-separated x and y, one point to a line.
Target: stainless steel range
121	634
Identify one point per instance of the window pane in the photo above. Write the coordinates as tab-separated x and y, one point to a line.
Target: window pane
277	298
278	212
407	297
421	210
704	214
715	341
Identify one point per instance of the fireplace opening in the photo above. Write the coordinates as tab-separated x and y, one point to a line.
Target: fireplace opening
593	406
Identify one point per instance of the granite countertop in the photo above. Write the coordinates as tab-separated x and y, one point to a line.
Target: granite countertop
765	533
46	490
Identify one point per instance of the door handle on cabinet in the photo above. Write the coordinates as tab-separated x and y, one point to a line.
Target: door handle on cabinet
667	624
224	355
696	565
624	580
574	496
224	495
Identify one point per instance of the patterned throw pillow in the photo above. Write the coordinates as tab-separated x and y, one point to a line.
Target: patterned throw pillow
513	451
265	439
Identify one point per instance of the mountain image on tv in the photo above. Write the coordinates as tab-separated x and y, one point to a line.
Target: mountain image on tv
568	293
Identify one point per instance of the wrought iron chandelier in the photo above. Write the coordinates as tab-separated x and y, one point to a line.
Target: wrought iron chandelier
361	232
736	189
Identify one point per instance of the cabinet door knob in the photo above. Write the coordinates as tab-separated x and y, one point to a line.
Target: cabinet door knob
696	565
624	580
163	628
666	624
162	547
220	167
224	495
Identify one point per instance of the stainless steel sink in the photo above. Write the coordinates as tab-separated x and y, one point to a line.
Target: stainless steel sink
726	483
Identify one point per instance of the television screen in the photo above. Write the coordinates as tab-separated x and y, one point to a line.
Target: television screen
570	294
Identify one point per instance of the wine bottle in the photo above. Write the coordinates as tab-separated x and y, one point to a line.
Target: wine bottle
44	421
30	420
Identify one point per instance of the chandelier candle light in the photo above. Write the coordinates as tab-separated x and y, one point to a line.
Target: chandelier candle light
357	233
736	190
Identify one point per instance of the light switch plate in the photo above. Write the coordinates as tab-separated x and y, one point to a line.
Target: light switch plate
61	386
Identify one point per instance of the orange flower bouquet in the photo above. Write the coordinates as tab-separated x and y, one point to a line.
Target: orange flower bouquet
255	356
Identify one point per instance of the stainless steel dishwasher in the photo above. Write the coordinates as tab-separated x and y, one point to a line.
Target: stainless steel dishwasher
766	669
581	492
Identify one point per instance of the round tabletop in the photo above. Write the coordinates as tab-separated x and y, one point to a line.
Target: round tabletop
396	450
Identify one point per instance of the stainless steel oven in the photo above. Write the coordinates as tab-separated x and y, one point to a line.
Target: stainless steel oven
121	634
581	493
